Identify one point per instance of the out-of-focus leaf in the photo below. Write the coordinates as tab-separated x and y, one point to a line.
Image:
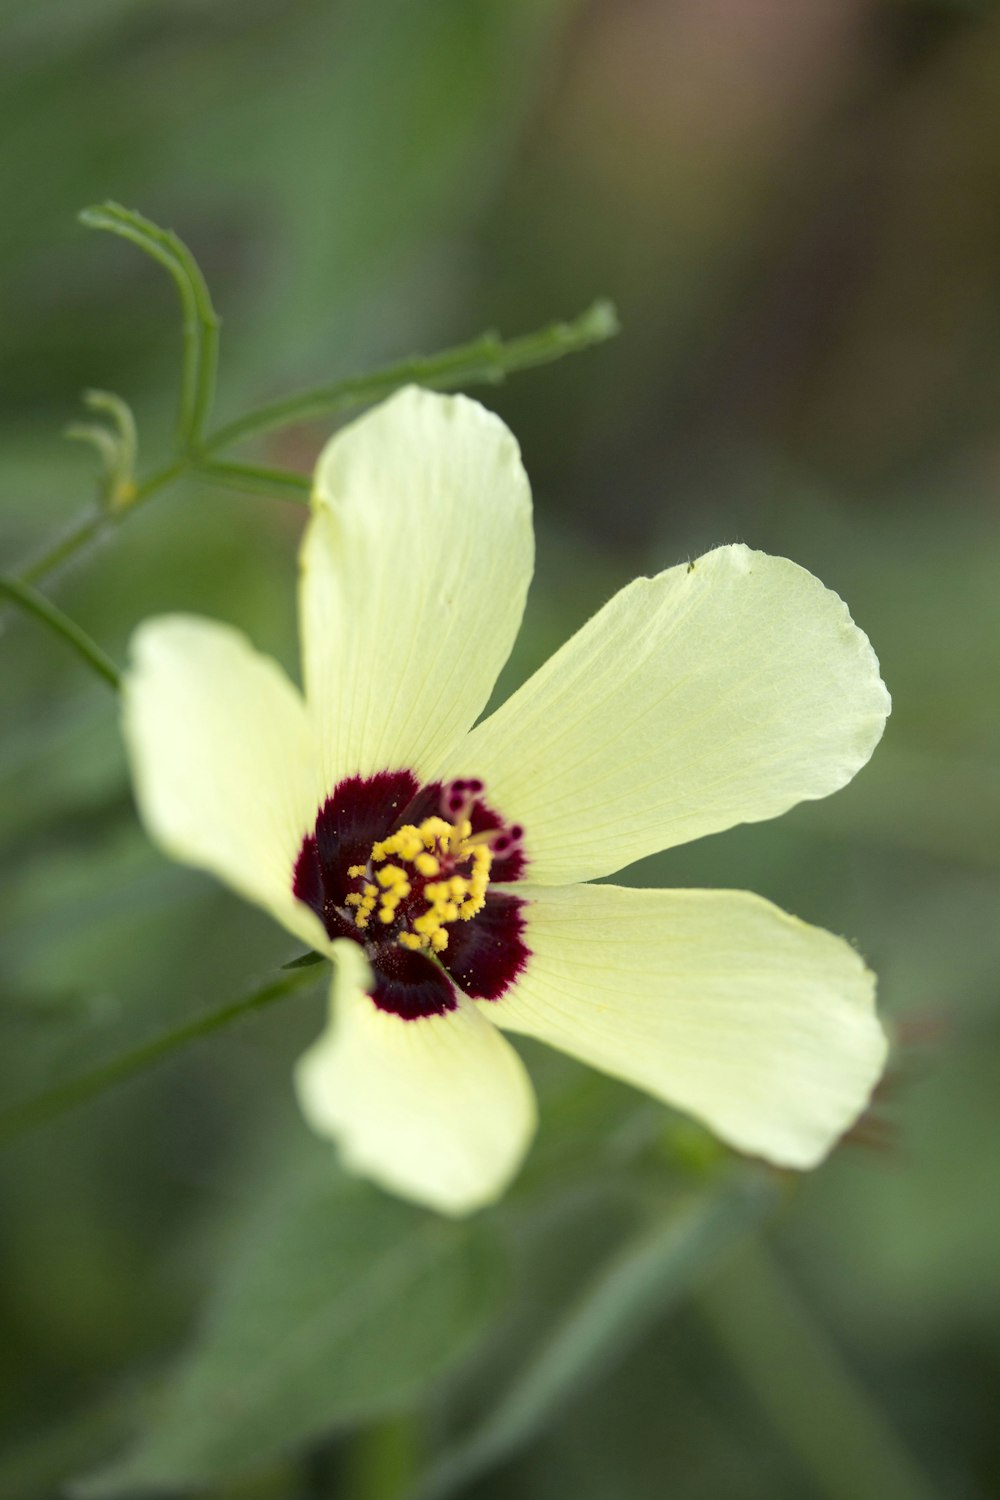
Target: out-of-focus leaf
339	1304
652	1271
33	1468
830	1422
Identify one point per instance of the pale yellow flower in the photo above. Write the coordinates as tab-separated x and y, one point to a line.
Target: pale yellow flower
438	864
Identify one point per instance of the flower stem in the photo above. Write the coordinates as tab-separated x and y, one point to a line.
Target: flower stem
34	603
88	1085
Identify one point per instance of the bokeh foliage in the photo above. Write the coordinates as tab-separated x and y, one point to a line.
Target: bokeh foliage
797	210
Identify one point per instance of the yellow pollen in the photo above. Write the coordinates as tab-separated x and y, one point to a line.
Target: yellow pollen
421	854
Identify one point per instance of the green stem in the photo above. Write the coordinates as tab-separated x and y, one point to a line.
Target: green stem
201	323
806	1388
486	361
78	1090
257	479
85	529
34	603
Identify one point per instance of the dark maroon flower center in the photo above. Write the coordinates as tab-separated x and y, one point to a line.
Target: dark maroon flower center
410	872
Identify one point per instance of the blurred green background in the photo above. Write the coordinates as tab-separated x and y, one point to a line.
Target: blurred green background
796	208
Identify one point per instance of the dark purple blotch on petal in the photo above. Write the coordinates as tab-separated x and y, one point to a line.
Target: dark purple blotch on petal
362	810
484	954
410	984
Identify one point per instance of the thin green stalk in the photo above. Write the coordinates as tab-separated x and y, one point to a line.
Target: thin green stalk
201	322
257	479
652	1273
36	604
93	523
88	1085
84	530
805	1386
486	361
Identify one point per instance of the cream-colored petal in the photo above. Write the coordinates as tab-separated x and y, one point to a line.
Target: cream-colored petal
438	1110
720	692
715	1001
415	568
223	757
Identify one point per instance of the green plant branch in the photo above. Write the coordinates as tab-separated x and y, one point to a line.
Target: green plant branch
87	527
75	1091
93	523
201	322
257	479
33	603
486	360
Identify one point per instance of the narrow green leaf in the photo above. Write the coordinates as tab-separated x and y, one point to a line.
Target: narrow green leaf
117	449
651	1273
123	474
803	1384
106	443
339	1305
304	961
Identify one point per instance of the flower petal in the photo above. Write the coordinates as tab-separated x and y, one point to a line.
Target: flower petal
415	568
719	692
223	759
439	1110
716	1001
